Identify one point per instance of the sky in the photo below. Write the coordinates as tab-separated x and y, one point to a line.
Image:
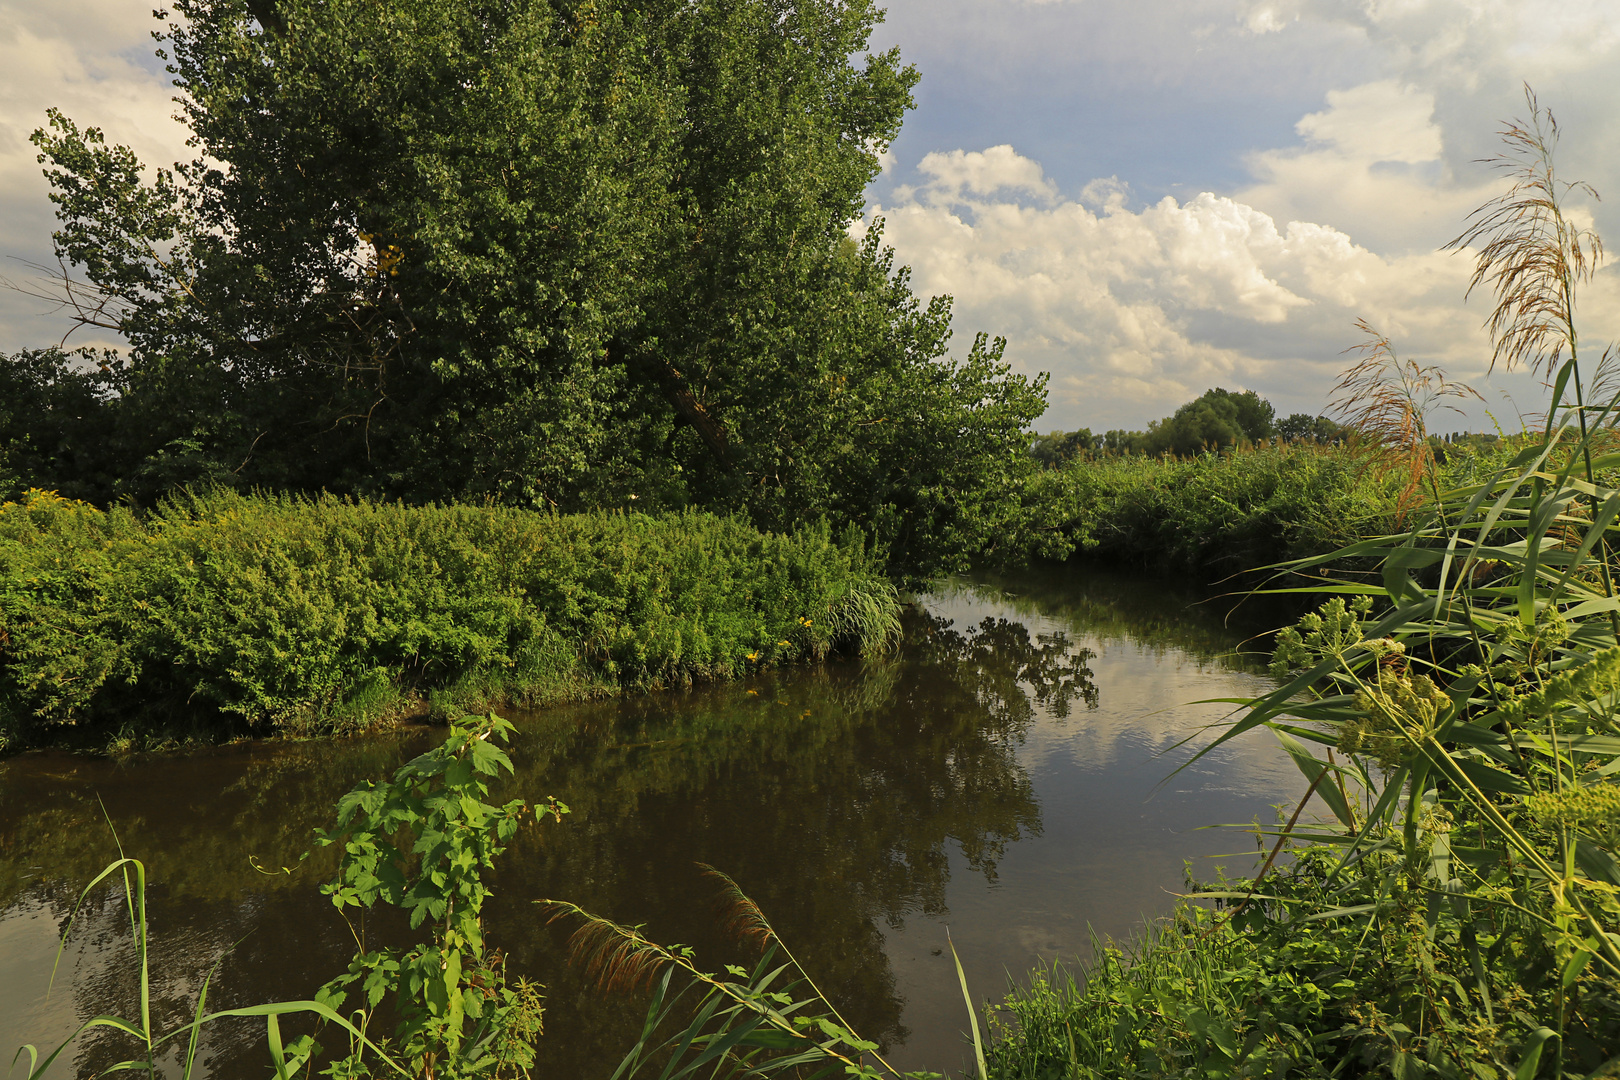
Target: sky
1146	198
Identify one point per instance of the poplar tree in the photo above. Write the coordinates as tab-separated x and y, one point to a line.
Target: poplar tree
559	253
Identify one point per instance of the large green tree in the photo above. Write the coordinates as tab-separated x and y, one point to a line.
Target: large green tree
1217	418
556	252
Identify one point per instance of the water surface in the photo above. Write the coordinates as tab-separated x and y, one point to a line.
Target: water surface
1006	775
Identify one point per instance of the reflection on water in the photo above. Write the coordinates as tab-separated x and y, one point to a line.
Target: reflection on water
1003	776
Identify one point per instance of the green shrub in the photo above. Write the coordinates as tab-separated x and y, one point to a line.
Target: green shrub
1216	513
256	613
1339	971
1230	511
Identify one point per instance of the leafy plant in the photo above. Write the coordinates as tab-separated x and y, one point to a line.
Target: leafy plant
315	616
422	842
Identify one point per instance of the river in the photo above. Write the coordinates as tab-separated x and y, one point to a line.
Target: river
1007	775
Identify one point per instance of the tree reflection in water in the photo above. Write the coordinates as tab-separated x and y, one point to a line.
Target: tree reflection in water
831	794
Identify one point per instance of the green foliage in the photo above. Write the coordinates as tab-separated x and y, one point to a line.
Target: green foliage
306	616
1303	982
423	842
1216	420
1218	513
1058	448
556	254
55	419
1303	426
1458	915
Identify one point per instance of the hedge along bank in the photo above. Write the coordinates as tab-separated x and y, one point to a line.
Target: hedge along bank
1224	513
226	614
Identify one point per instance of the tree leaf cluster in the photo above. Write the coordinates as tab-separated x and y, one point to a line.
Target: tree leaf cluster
1216	420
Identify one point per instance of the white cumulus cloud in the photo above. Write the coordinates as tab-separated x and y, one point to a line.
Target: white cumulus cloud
1136	311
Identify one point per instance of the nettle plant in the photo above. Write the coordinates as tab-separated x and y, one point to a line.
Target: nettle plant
422	842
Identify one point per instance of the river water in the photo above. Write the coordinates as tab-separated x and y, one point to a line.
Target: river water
1007	775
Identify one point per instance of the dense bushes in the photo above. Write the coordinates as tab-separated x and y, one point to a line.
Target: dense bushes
238	613
1217	512
1275	992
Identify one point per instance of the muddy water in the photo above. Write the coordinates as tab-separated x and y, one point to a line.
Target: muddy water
1004	775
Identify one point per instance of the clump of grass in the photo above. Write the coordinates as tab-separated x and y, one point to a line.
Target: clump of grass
1145	1004
868	614
150	1043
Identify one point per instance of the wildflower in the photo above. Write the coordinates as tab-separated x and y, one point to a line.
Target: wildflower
1593	805
1597	678
1398	710
1332	631
1382	647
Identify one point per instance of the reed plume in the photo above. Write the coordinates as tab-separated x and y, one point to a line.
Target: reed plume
1529	251
614	956
743	919
1387	400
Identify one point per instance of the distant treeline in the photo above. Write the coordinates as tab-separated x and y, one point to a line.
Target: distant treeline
1217	420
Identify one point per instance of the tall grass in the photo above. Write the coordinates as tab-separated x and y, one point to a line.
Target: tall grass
272	614
151	1044
1457	913
1162	998
1214	514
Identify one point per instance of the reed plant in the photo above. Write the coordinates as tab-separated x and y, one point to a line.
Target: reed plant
770	1019
150	1043
1456	910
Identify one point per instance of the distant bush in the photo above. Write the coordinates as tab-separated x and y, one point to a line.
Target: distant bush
238	614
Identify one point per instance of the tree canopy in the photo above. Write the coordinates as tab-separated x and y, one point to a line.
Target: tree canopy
559	253
1216	419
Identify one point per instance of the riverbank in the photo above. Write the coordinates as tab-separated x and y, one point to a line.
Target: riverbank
223	615
1019	725
1219	514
